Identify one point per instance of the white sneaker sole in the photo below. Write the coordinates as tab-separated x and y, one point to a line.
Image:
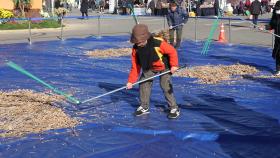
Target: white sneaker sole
143	113
174	117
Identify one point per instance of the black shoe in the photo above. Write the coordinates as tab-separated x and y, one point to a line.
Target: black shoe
174	113
141	111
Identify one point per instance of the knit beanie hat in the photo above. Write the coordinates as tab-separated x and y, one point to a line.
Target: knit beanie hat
140	33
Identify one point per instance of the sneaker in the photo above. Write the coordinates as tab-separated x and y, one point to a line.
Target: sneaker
141	111
174	113
277	73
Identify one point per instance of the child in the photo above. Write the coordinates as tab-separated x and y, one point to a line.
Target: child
152	55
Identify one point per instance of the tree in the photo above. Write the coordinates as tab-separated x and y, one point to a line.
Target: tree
22	4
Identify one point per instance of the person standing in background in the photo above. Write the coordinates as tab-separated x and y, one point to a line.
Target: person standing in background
158	8
255	10
274	24
92	5
184	5
241	8
152	6
123	6
84	8
176	18
101	6
57	4
247	4
164	6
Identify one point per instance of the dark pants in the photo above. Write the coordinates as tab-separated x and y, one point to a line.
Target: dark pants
84	13
276	53
157	12
165	84
255	19
277	64
153	12
124	11
179	31
240	11
164	11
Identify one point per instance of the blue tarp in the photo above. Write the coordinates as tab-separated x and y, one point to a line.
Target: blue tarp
223	120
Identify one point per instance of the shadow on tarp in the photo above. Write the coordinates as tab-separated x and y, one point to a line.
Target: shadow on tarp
224	120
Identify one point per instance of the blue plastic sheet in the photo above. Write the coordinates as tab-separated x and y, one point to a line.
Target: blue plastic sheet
222	120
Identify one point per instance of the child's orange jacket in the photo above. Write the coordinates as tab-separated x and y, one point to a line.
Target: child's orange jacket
163	50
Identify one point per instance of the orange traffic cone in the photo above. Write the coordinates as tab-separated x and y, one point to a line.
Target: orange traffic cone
222	37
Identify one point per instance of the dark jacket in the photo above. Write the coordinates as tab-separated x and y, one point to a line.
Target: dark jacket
274	24
84	6
177	17
256	7
152	5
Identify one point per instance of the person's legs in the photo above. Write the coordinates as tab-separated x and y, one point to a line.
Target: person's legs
153	12
145	93
276	55
86	14
83	14
166	86
163	12
277	64
123	11
159	12
178	36
254	20
128	11
171	36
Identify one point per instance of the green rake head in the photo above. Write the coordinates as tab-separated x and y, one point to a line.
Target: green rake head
23	71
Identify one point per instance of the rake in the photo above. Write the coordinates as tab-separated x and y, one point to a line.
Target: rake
23	71
136	83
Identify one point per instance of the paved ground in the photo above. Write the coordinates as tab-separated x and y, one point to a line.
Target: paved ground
241	31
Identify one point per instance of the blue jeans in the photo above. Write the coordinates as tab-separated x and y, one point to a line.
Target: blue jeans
255	19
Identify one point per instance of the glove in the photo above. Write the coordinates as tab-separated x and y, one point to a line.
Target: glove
170	27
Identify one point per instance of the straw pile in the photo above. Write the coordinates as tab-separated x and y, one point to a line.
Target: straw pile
162	34
210	74
25	111
105	53
118	52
